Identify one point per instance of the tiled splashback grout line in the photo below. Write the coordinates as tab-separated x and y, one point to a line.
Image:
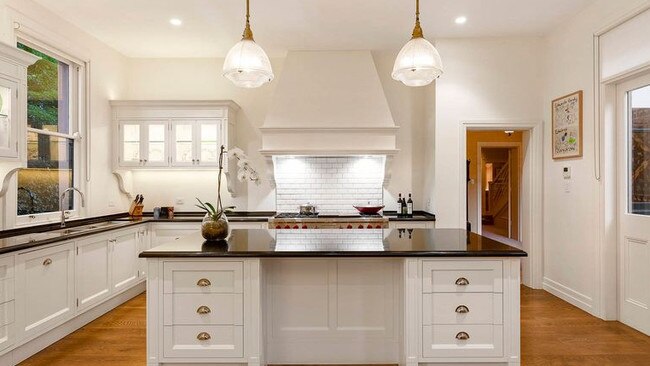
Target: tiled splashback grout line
332	184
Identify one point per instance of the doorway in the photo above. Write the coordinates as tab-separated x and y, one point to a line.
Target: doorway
494	184
633	176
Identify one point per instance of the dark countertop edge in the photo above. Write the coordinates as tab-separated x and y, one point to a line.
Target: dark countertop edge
57	225
417	216
447	254
18	247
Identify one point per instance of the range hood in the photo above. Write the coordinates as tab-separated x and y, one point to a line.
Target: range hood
329	103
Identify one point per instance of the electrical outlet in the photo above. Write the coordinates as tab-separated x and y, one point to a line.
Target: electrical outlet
180	201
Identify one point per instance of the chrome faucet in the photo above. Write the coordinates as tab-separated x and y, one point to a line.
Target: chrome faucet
71	189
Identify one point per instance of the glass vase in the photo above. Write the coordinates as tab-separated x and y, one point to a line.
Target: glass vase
214	230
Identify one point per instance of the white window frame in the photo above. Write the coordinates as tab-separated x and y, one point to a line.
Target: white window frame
77	107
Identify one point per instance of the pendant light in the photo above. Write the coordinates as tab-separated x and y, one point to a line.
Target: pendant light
418	63
246	64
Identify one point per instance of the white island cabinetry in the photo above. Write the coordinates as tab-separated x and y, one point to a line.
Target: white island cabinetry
408	311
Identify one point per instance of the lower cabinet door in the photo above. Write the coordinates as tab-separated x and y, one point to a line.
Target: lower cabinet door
45	289
93	271
6	324
124	261
143	244
209	341
441	341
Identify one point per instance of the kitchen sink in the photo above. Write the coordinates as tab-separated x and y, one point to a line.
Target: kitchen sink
79	229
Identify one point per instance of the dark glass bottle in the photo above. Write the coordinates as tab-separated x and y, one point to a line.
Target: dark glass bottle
409	206
399	205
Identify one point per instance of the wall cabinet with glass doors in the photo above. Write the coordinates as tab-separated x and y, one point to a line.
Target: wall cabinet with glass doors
171	134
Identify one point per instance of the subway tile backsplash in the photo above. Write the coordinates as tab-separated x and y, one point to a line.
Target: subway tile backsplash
332	184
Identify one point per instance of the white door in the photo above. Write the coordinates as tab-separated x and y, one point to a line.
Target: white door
183	153
131	144
155	147
8	119
93	273
124	263
208	137
634	202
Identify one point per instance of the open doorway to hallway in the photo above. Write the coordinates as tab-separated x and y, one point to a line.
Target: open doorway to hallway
494	185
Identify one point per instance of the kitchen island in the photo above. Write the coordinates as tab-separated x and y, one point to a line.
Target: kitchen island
417	296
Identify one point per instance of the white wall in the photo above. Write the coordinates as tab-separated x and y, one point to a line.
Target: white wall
490	80
571	219
201	79
108	81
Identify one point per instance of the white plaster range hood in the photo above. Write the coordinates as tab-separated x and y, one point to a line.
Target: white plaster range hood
329	103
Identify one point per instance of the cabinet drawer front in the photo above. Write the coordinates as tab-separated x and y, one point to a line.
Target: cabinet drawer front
441	341
204	277
217	309
6	336
7	313
183	341
462	308
6	289
477	276
7	267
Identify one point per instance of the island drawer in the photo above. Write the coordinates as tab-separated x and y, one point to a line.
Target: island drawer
467	341
462	308
203	341
190	309
462	276
203	277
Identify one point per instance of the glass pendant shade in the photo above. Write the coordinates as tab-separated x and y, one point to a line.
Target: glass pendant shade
418	63
247	65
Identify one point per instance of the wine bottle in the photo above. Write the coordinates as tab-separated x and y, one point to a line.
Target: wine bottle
399	205
409	207
404	207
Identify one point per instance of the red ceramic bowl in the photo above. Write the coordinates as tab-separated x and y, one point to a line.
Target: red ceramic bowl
369	210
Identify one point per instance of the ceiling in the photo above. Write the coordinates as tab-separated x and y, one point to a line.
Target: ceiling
141	28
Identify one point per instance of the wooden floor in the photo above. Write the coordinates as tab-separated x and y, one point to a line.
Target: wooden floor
554	333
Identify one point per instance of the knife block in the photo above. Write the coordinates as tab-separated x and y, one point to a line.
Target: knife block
136	210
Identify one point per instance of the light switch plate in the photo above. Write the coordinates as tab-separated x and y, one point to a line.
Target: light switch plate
566	172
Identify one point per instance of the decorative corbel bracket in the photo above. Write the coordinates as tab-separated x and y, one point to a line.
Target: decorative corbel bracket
125	182
6	177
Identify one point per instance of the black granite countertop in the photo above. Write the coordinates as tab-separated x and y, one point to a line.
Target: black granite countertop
338	243
417	216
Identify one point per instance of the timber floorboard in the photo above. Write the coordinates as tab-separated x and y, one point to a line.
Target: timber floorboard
554	333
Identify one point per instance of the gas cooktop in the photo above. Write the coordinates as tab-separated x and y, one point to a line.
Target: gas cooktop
296	215
293	220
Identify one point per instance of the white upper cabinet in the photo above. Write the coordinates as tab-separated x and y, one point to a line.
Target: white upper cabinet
171	134
13	101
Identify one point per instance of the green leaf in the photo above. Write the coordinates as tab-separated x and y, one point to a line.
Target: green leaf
214	211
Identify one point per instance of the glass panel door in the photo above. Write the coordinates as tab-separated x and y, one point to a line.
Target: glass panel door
209	142
639	151
183	154
131	144
6	133
156	144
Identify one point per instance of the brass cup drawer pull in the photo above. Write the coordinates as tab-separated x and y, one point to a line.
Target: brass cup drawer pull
203	336
203	282
47	262
462	309
203	310
462	336
462	281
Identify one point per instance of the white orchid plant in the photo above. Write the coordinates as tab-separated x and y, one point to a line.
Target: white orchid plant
245	172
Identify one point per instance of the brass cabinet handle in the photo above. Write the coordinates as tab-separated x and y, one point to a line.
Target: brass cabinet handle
47	262
462	336
203	282
203	310
203	336
462	309
462	281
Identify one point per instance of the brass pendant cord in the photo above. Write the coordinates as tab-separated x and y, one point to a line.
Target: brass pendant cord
248	33
417	30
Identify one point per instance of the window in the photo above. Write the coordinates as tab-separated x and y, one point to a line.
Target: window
639	151
52	94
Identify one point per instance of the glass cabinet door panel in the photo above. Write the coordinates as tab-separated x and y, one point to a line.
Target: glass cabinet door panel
156	143
210	142
7	132
183	143
131	143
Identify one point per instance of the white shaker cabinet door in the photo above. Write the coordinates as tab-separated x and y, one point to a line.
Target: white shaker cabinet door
93	271
124	262
44	289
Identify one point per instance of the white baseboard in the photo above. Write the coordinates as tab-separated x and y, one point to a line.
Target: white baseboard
39	343
569	295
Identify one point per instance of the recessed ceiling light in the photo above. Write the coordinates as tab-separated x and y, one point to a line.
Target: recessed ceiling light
175	21
461	20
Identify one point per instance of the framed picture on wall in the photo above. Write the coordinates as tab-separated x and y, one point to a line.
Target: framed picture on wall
566	126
